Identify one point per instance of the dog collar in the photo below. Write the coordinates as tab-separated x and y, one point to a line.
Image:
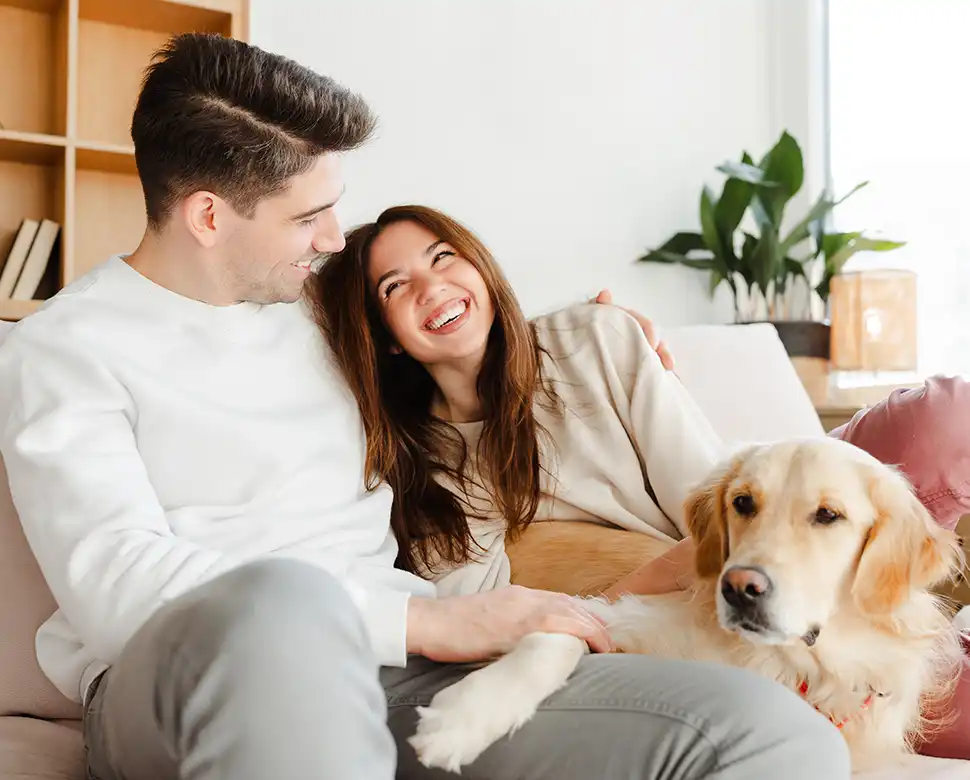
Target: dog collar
803	690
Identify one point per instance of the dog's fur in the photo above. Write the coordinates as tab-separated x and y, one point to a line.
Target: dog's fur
850	612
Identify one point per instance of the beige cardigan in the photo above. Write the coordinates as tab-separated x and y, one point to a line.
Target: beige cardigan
629	446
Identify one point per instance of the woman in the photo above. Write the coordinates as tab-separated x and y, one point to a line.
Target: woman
484	423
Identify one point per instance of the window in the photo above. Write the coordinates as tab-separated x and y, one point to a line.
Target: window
898	111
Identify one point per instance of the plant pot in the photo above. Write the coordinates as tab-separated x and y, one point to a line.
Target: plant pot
805	338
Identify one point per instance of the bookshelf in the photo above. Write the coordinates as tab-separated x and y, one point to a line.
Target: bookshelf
70	71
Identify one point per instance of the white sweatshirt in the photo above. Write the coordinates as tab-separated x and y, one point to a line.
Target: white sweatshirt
628	448
154	442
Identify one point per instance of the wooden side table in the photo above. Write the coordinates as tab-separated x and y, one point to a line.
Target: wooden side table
834	415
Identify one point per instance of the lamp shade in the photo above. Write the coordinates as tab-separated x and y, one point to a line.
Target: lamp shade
873	315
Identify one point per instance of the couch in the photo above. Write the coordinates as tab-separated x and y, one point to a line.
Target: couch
740	376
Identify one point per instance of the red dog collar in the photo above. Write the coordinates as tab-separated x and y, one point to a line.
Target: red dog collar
803	690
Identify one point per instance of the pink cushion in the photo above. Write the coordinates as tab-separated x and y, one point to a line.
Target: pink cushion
40	750
27	602
926	433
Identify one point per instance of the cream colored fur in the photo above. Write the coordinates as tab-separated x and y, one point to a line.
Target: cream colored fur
863	580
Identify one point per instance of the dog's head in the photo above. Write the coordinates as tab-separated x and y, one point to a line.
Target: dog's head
795	531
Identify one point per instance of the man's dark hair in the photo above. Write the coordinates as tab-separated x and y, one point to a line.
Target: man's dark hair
218	114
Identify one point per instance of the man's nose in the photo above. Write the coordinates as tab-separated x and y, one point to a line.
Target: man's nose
328	236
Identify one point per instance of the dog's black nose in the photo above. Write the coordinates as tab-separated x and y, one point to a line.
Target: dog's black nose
745	587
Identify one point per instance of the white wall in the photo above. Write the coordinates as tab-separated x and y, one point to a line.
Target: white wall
570	134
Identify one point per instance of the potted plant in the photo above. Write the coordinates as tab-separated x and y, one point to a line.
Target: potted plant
782	277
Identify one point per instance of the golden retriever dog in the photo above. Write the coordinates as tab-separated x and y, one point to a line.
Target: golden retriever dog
815	564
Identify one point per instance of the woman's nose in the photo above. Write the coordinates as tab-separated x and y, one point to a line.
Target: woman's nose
427	286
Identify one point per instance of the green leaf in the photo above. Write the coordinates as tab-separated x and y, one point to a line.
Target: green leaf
835	262
851	192
765	261
833	243
715	281
730	209
708	224
673	258
746	172
802	230
794	267
684	243
783	164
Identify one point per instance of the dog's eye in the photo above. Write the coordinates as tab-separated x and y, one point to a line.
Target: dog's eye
826	516
744	505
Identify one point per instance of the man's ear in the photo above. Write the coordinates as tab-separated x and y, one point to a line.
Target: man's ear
906	550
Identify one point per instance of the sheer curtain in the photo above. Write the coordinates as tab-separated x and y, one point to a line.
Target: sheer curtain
899	116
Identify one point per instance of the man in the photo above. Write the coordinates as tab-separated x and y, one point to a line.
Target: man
188	469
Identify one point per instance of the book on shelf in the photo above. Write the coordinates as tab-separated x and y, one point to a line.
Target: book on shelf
28	259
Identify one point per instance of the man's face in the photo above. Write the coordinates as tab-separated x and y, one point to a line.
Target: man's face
268	257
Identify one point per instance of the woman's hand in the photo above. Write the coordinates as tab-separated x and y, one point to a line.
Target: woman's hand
672	571
484	625
667	360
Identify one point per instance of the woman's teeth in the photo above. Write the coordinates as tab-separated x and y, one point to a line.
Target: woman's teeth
452	312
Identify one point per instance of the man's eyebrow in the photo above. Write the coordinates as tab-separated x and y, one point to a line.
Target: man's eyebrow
316	210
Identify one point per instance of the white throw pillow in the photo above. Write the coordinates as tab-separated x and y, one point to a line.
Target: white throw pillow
744	381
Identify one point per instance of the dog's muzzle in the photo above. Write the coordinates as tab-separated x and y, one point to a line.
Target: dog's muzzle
746	590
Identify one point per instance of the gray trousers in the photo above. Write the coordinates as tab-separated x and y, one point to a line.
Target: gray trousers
265	673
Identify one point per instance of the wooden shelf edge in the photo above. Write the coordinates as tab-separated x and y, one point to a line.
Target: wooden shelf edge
158	15
11	310
44	139
39	6
32	148
109	158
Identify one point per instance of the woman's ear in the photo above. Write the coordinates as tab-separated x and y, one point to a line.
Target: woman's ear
906	550
395	349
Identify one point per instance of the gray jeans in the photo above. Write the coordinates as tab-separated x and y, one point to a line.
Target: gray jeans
265	673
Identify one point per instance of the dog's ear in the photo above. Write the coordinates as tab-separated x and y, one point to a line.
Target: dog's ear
906	550
704	510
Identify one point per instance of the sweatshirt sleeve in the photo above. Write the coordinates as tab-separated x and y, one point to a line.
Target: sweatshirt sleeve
677	442
85	501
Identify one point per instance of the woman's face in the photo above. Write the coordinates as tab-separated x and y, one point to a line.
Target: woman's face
433	301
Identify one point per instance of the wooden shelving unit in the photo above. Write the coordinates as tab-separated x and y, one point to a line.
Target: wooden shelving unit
70	71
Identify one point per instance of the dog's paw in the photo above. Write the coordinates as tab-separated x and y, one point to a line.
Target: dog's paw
465	719
444	739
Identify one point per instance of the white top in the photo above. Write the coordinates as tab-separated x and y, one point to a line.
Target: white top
629	448
154	442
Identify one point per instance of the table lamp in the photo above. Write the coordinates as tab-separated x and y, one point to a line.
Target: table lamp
873	316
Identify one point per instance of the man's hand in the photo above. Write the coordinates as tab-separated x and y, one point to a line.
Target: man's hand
484	625
606	297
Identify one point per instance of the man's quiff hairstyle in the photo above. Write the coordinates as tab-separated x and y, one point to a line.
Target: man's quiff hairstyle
221	115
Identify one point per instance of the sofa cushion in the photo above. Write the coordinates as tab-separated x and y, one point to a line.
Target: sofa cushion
743	381
40	750
24	690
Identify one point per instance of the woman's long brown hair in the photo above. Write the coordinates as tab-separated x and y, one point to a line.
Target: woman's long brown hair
407	447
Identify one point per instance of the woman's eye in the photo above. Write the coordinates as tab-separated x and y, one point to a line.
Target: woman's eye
390	288
441	256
